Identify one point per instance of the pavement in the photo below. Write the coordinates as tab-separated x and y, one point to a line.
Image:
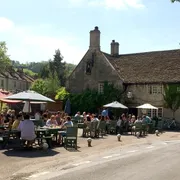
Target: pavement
38	164
147	163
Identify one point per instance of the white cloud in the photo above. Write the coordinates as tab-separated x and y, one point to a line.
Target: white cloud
25	44
110	4
5	24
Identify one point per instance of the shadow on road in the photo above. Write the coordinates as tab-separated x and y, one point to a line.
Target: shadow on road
33	153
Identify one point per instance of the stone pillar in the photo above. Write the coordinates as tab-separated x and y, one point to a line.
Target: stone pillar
95	39
114	48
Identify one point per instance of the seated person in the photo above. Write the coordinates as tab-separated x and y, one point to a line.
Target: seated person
44	120
27	130
139	120
68	123
17	122
1	119
52	121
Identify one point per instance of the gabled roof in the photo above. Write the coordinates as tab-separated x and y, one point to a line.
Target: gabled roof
148	67
16	76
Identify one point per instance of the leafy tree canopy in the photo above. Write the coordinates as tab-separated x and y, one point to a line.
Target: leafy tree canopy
175	1
4	58
39	86
172	97
62	94
47	87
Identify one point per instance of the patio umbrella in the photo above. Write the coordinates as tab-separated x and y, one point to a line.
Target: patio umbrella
2	100
67	107
29	96
36	102
116	104
147	106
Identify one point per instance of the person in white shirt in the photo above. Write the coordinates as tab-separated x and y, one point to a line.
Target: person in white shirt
37	116
27	130
77	114
118	126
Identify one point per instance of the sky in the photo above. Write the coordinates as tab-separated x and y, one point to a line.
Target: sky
34	29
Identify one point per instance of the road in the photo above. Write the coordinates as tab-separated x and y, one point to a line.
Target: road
158	162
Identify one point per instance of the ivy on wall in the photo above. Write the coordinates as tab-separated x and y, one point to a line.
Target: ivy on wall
91	100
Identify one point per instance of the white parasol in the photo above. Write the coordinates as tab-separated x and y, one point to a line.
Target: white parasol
116	104
146	106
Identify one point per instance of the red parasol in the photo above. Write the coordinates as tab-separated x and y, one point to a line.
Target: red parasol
4	94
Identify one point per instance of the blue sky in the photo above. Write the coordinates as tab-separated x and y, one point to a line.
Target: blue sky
33	29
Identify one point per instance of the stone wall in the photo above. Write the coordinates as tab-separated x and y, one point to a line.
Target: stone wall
101	71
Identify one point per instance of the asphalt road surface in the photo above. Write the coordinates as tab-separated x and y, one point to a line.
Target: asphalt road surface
155	164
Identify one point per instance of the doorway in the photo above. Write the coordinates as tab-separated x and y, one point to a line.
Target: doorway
133	111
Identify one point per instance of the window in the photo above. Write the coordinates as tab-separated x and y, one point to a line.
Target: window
155	89
14	84
2	83
101	88
178	89
24	86
155	112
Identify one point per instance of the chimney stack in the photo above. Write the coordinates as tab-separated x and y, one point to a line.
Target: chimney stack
114	48
95	39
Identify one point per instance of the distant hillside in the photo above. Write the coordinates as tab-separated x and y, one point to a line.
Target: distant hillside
33	69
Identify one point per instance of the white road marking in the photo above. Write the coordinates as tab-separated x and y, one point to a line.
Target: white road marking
132	151
84	162
164	143
37	175
107	157
116	154
149	147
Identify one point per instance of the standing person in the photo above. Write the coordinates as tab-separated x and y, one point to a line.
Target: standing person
118	126
27	130
105	113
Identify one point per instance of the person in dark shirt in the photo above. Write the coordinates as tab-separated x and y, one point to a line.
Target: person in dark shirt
8	117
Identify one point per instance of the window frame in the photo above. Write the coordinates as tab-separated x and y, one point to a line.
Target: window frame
100	88
155	112
2	83
155	89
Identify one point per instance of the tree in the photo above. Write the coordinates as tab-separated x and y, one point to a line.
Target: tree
39	86
62	94
172	97
44	72
47	87
52	85
175	1
4	58
59	66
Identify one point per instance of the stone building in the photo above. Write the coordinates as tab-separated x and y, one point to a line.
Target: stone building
15	81
140	75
